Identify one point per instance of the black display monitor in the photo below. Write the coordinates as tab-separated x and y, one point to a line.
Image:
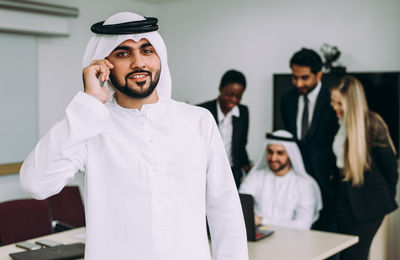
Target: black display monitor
382	90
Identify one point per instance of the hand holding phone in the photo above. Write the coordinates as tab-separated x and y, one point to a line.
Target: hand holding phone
98	71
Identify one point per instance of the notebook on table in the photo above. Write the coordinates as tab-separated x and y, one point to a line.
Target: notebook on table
63	252
253	233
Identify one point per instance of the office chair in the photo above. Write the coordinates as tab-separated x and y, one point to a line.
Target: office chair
67	209
23	219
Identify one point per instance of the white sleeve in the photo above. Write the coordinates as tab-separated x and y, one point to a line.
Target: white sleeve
224	211
62	152
304	212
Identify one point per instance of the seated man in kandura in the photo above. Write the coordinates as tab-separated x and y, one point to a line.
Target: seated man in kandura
284	193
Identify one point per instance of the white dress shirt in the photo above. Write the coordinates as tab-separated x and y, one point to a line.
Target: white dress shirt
151	177
226	128
312	100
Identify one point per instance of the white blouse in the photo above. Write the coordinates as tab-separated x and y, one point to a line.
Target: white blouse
225	126
338	144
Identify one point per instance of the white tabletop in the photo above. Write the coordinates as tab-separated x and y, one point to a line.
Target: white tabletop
290	243
284	244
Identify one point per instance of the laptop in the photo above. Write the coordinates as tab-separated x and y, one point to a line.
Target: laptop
64	252
253	233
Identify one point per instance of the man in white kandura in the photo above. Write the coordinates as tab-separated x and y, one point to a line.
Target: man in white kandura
284	194
154	167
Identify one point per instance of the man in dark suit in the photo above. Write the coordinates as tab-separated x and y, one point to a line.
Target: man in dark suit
232	120
307	114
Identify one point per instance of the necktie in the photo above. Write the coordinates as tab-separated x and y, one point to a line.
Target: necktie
304	119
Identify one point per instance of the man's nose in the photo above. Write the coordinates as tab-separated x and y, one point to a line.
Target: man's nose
299	83
137	62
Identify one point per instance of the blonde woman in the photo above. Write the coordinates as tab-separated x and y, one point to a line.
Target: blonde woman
366	158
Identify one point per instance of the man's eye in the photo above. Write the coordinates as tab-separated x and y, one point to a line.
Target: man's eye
122	54
148	51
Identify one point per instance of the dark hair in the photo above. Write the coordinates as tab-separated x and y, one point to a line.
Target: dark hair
308	58
233	76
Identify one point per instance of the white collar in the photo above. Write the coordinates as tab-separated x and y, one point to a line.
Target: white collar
234	112
152	108
313	94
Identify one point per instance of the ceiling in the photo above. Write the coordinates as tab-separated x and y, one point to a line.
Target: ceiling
159	1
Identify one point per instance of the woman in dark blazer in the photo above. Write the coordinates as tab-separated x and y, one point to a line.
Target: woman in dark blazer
367	161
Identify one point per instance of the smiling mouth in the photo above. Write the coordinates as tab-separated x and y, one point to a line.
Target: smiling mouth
138	77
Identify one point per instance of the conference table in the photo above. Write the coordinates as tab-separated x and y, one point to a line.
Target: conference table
283	244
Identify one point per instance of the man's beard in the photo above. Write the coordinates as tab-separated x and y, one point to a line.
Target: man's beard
280	167
308	89
133	93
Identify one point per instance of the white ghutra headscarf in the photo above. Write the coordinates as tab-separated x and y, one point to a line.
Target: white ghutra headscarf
101	45
296	161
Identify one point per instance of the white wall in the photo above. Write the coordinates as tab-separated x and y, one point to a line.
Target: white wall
59	58
59	69
206	38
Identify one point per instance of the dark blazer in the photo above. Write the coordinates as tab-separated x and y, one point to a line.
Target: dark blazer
376	197
316	146
240	131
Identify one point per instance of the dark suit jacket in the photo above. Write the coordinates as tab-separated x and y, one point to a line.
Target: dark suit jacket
316	146
240	131
376	197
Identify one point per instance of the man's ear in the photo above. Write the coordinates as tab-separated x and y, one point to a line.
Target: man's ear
319	75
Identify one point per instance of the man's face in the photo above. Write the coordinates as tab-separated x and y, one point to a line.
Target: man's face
303	78
230	95
137	68
278	159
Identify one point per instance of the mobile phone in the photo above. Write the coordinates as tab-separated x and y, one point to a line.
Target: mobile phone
48	243
28	245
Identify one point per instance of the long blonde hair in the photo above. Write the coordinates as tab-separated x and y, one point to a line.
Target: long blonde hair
359	123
